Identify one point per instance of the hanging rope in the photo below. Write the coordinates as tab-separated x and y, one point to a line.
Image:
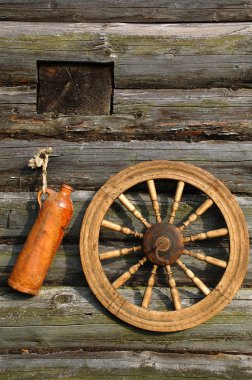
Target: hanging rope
41	159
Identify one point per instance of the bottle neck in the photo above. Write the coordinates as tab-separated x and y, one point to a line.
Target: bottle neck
66	189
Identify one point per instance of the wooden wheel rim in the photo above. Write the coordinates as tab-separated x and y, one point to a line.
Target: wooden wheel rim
164	321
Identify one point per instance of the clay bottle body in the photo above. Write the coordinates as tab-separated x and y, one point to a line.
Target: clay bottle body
43	241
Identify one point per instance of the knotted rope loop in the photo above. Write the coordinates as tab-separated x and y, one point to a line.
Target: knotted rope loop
41	159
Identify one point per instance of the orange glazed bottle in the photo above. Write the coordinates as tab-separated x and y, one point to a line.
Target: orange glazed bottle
43	241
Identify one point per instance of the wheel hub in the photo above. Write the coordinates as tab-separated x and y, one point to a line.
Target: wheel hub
163	244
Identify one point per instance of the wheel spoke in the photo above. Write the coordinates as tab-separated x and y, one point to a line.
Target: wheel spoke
153	196
200	211
124	200
200	284
207	259
173	289
118	228
177	198
126	275
119	252
207	235
148	291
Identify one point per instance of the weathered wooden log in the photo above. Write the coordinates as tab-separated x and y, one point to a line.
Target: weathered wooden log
126	11
184	56
99	365
142	114
88	165
18	212
69	318
66	267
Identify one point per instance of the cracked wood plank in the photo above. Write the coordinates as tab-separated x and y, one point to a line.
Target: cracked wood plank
124	364
89	165
71	318
144	56
139	114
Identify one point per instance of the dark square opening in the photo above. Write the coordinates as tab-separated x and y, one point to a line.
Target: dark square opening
71	88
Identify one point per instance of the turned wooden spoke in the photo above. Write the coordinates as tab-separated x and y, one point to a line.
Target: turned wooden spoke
126	275
173	289
200	284
207	235
118	228
177	198
148	291
119	252
124	200
153	196
200	211
207	259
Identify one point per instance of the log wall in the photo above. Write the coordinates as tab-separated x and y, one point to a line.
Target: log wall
135	11
182	74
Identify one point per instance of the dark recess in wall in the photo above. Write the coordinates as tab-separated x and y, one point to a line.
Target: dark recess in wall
71	88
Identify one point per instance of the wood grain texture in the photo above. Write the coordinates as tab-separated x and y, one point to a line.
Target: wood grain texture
126	11
124	364
74	89
88	165
142	114
72	318
184	56
19	210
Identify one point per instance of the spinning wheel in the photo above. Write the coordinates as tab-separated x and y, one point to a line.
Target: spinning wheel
163	246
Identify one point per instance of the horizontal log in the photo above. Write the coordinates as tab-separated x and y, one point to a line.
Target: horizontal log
71	318
124	364
66	268
88	165
184	56
126	11
142	114
19	210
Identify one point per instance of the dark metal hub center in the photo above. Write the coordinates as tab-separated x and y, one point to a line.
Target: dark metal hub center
163	244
